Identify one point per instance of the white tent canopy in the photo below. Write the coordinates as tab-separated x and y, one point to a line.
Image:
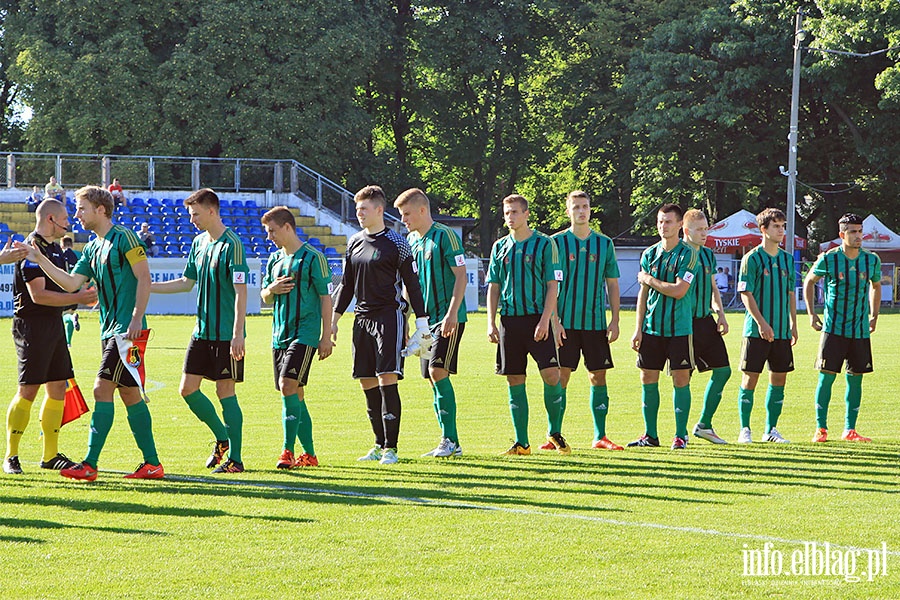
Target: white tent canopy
738	231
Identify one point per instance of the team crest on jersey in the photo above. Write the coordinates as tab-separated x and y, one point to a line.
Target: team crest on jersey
765	272
592	258
841	276
376	254
571	256
134	357
527	259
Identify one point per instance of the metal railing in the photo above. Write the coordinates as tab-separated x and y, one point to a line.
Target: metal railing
183	173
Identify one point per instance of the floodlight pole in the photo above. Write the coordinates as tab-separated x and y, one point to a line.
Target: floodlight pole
799	36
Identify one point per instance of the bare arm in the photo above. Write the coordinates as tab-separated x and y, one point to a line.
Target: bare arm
809	293
173	286
793	304
765	330
141	270
675	290
10	254
451	320
70	282
612	292
240	317
719	307
874	304
37	289
493	301
640	312
326	344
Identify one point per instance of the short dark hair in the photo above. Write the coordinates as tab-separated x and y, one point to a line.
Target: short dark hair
672	208
849	219
373	193
765	218
67	242
280	216
205	197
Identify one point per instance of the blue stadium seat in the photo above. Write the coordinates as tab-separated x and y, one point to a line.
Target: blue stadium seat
331	253
314	241
137	201
185	239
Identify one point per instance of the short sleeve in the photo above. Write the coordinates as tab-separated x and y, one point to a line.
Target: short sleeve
190	269
83	266
321	274
820	268
550	257
494	267
747	277
612	265
452	249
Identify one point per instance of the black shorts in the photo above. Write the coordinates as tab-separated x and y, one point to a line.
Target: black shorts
213	361
111	366
517	342
709	347
593	344
41	349
835	350
755	352
446	351
656	350
377	342
293	362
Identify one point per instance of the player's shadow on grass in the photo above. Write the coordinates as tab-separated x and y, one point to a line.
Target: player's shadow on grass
44	524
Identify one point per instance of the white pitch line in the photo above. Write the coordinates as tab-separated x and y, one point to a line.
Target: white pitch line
519	511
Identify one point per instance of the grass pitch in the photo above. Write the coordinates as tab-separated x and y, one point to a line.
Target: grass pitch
648	523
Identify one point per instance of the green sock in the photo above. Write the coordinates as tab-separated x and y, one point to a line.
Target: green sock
562	408
69	322
436	404
681	398
774	403
304	431
234	424
745	404
206	412
650	407
854	399
518	407
446	404
142	429
823	398
101	423
553	406
713	395
290	419
599	410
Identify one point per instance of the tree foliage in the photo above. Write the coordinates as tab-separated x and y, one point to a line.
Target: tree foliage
636	101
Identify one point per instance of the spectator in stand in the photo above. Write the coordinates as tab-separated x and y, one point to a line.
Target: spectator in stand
730	278
149	239
721	280
34	199
115	188
54	190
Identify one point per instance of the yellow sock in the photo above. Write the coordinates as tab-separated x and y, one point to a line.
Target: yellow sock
51	421
17	418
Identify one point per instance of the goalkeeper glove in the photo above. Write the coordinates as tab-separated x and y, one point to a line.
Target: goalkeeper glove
420	341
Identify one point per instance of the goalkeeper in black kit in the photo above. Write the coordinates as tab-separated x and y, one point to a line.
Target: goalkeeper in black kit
377	265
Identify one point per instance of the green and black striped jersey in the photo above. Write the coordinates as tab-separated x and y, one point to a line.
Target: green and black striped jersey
522	270
771	281
436	253
586	265
297	315
666	316
702	288
217	266
108	260
846	284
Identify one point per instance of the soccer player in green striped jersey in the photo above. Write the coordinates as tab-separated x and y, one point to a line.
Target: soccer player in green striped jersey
216	351
590	271
117	261
441	262
523	284
766	285
852	278
296	284
710	353
664	325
